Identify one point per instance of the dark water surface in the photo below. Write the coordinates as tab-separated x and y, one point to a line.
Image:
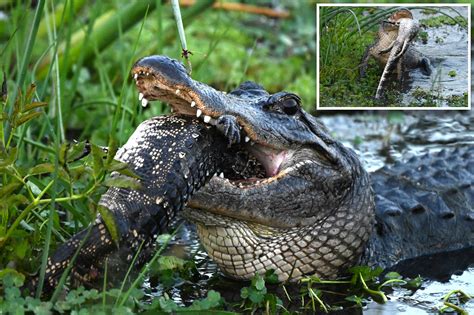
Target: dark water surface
447	48
421	132
367	133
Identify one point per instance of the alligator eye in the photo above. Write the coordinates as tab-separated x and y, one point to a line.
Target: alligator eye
290	106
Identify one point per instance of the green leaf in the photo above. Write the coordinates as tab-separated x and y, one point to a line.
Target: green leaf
212	300
244	292
109	221
122	168
414	283
26	118
9	188
41	169
8	158
271	277
11	277
393	275
257	296
170	263
356	299
112	150
168	305
98	162
260	283
75	151
33	106
122	182
62	154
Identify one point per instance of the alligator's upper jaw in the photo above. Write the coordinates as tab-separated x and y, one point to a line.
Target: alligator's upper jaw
164	79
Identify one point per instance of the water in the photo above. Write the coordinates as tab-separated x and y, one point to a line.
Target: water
447	48
421	132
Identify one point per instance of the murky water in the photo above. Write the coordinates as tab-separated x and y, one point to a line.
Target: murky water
447	48
420	132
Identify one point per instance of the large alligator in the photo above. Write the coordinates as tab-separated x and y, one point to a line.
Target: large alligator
393	50
290	197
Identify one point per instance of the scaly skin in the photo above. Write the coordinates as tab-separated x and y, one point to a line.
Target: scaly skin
173	156
291	218
311	211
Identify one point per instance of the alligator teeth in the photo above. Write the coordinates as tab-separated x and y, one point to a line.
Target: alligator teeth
171	110
247	139
221	175
148	73
193	103
198	112
144	102
140	96
177	91
207	119
135	76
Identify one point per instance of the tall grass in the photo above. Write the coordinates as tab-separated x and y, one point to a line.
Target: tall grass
38	171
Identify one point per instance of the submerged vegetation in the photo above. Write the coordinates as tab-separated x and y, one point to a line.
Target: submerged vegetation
66	90
345	32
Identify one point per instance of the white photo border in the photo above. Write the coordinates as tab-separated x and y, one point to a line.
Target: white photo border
468	5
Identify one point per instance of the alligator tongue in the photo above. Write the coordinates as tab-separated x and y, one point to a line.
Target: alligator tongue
270	159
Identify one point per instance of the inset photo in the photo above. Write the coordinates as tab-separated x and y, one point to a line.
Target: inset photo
393	57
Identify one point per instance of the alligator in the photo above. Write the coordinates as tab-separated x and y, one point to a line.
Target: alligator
393	51
289	197
172	157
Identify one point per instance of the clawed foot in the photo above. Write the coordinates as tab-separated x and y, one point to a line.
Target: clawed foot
229	127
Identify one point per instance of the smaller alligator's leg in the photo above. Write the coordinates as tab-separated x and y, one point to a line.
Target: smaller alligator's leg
228	126
364	62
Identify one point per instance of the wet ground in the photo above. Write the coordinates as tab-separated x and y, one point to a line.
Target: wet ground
414	133
447	48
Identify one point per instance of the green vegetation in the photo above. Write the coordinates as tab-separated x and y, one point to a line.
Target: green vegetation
441	20
345	32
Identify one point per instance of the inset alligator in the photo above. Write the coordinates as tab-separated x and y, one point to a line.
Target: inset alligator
393	51
290	197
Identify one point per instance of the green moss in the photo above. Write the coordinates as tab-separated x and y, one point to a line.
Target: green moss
441	20
423	36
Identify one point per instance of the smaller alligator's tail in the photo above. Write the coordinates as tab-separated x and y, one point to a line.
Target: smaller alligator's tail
97	240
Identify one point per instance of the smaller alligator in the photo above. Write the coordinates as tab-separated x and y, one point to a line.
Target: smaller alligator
173	156
393	51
